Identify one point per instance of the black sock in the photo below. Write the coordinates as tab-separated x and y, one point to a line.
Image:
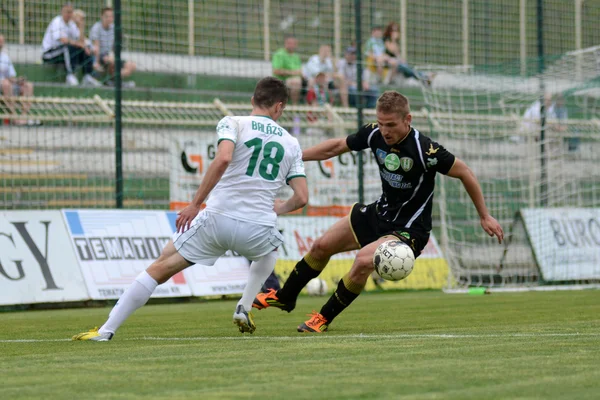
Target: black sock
299	277
341	298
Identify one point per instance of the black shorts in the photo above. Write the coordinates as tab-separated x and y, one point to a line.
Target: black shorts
368	227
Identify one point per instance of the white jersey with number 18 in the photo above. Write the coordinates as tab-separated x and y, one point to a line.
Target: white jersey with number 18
265	157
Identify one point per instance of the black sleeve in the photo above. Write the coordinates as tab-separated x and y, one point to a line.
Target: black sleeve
436	157
360	140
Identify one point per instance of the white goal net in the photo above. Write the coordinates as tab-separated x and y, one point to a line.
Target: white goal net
493	122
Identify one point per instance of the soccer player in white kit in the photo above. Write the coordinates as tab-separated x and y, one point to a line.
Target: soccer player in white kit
255	158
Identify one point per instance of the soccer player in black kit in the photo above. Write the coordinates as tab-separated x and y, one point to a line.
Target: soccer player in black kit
408	162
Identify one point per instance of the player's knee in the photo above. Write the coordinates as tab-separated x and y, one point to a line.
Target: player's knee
320	250
159	271
363	266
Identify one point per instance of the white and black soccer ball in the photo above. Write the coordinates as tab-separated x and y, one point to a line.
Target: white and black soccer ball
394	260
316	287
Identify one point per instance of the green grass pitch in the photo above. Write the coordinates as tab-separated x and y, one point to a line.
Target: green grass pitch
401	345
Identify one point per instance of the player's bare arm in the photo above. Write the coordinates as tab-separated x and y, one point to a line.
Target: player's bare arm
328	149
213	175
298	200
461	171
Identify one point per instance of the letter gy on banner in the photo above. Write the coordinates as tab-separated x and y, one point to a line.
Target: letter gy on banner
114	246
37	264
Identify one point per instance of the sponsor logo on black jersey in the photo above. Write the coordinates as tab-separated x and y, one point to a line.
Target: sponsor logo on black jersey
381	156
392	162
431	150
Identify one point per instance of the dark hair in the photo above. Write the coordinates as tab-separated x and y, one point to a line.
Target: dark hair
105	9
387	34
270	91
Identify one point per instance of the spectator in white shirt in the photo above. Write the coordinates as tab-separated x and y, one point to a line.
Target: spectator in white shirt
13	86
322	63
61	44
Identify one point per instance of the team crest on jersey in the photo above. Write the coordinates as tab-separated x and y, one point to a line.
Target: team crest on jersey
380	156
406	163
223	125
431	162
392	162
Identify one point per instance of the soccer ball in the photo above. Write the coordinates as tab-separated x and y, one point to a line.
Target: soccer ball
316	287
393	260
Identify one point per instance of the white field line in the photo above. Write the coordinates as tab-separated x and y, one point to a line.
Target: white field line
301	337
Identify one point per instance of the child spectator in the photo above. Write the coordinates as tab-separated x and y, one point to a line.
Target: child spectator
318	95
376	55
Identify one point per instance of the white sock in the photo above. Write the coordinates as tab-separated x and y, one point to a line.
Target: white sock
259	272
134	297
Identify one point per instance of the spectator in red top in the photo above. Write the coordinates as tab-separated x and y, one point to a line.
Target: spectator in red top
318	94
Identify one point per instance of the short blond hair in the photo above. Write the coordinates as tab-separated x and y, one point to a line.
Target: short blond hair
79	13
393	102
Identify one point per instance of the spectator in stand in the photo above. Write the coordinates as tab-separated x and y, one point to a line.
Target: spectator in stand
102	35
376	55
83	42
287	66
322	63
348	68
319	93
12	85
391	40
61	45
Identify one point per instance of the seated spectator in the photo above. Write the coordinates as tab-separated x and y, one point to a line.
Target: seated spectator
102	35
377	57
322	63
287	66
12	85
391	39
319	93
61	45
83	41
348	69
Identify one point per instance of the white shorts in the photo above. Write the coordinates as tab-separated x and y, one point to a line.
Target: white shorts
211	235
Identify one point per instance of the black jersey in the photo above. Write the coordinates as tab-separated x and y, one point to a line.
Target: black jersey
407	171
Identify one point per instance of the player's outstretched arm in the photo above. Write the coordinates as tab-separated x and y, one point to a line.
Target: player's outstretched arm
328	149
461	171
213	175
298	200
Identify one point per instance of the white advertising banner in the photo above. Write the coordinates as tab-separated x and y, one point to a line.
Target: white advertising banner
114	246
37	263
565	241
331	183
